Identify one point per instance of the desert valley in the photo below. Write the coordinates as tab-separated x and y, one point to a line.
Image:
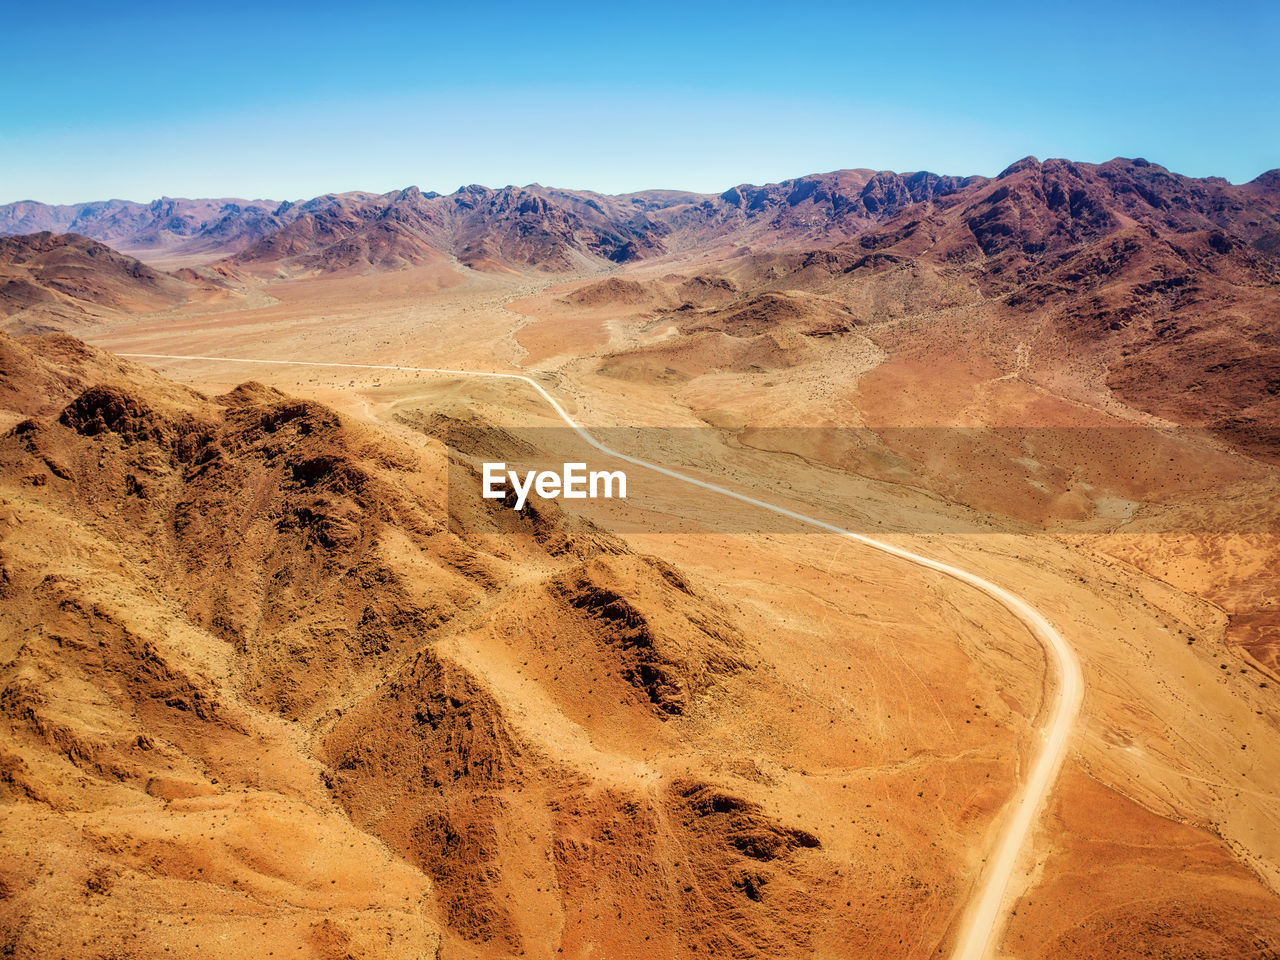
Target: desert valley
278	681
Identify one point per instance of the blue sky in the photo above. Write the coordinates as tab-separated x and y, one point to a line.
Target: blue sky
289	101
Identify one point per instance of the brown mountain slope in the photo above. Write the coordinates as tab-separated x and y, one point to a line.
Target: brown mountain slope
353	231
1033	213
1165	287
51	281
563	230
819	208
528	227
258	696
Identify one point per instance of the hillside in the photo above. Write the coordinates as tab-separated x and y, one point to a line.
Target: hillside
477	744
1163	289
528	228
57	281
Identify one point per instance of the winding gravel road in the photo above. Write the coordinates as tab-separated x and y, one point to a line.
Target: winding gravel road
985	916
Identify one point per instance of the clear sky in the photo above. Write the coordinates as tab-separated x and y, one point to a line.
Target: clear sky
136	100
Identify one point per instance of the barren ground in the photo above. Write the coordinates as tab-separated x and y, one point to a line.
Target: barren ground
878	710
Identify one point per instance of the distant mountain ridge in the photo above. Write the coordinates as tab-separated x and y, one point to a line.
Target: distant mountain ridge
531	226
178	225
554	230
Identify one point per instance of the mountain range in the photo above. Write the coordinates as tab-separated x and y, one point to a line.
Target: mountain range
1031	204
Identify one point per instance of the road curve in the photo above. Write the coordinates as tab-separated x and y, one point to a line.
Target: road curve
984	918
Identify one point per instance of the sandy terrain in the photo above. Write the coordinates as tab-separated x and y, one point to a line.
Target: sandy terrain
877	708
